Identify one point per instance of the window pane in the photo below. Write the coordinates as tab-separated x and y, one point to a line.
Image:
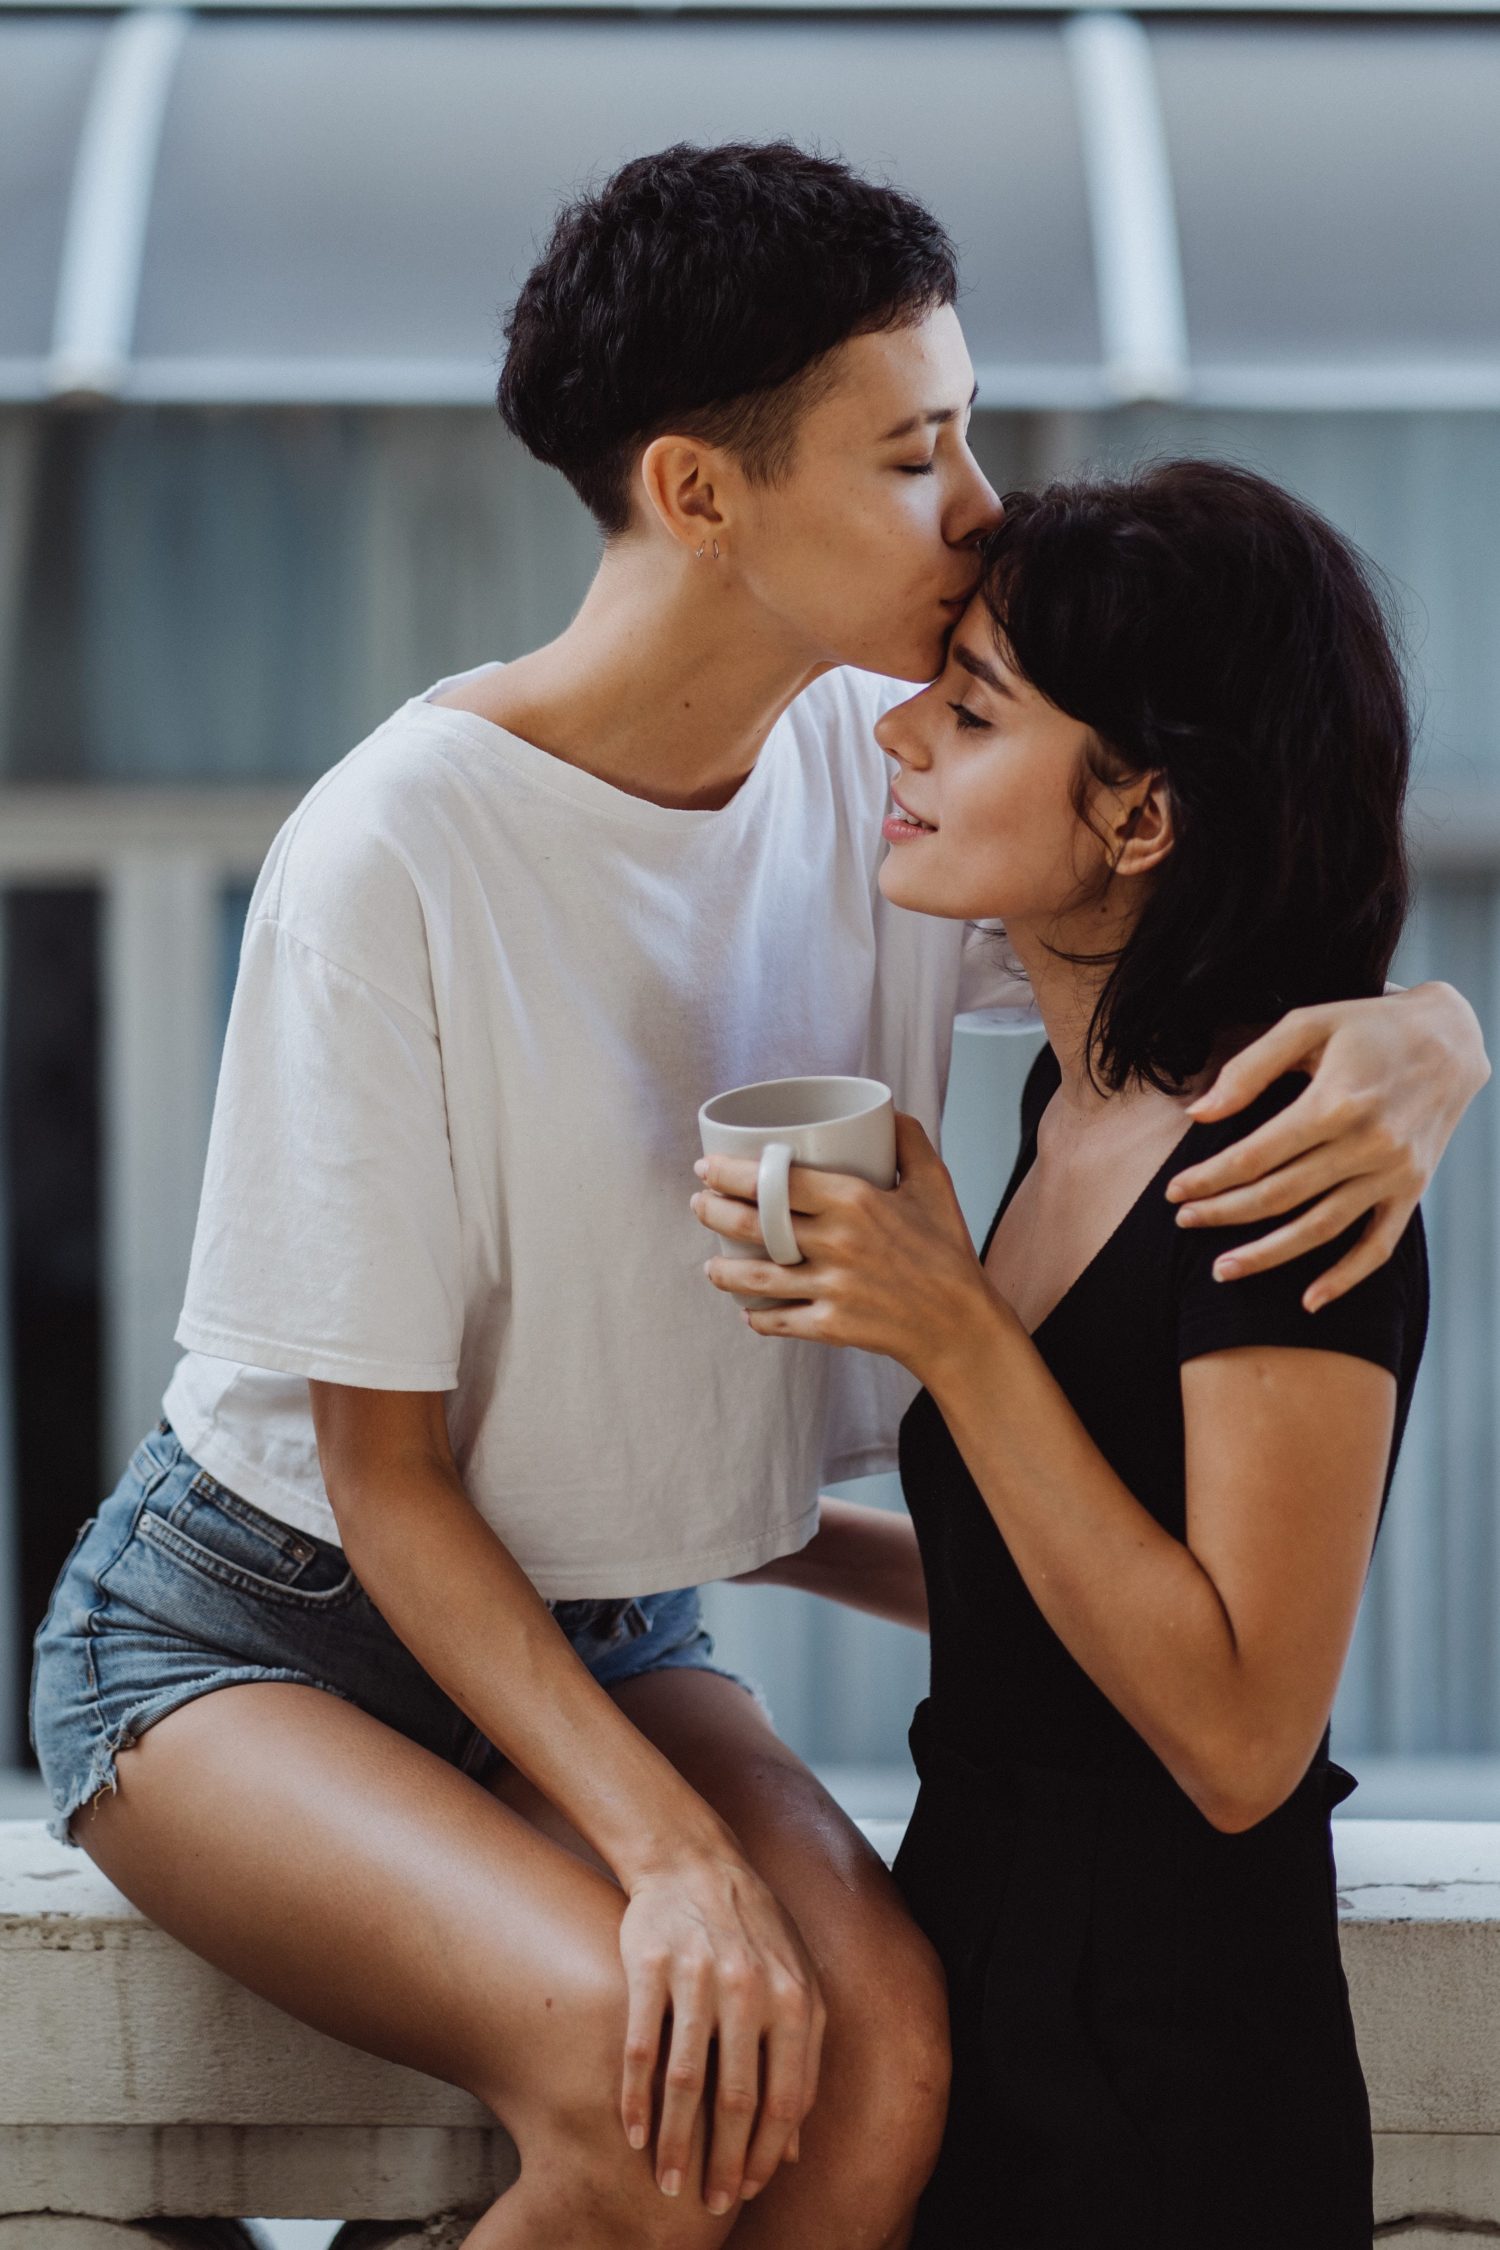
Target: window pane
46	67
1337	191
344	189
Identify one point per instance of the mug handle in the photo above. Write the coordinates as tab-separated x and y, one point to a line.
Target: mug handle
773	1196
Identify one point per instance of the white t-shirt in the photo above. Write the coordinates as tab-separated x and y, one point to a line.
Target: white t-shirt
481	996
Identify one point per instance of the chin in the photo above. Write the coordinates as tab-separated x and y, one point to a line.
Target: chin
897	885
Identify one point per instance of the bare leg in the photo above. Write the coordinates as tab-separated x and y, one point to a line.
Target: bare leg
297	1843
872	2137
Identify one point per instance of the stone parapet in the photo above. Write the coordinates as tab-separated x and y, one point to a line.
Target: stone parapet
137	2082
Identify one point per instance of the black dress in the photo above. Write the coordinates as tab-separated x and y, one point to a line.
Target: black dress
1153	2048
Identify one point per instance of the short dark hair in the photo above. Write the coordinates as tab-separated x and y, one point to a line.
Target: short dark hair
1205	624
698	291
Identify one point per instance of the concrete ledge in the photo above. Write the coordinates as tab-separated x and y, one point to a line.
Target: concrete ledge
137	2082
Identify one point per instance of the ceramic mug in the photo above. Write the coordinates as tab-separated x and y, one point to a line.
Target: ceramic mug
831	1124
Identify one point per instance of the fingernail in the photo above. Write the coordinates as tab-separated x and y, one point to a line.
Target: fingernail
1175	1191
671	2183
719	2202
637	2136
1188	1215
750	2188
701	1167
1312	1302
1227	1269
693	1200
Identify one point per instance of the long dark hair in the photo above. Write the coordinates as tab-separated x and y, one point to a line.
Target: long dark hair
1204	624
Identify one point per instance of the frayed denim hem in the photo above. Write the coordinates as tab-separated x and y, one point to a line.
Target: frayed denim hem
102	1779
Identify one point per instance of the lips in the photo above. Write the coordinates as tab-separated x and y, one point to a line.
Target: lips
904	812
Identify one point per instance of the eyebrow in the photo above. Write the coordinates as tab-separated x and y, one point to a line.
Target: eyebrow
981	671
939	415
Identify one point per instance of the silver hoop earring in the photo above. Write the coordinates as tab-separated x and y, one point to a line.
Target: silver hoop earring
716	550
698	550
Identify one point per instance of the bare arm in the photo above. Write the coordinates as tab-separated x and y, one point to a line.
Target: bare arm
864	1557
702	1936
1223	1652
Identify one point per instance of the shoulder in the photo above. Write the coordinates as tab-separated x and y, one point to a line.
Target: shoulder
1211	1136
352	870
1382	1318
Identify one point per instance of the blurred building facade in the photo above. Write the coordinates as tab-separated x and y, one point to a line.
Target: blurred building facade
253	494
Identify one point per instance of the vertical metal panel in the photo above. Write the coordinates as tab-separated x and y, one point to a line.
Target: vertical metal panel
1142	320
52	1129
162	951
100	268
10	1507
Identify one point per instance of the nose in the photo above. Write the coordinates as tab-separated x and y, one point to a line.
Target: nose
899	731
979	508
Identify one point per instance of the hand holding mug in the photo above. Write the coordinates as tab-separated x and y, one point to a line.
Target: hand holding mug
888	1269
842	1125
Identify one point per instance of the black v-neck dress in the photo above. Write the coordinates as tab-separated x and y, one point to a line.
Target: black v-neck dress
1152	2041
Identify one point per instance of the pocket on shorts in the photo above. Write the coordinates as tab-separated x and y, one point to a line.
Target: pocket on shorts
229	1540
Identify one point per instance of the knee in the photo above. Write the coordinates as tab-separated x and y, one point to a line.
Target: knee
888	2035
596	2189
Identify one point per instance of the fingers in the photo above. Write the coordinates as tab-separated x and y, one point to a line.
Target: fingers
686	2077
749	1277
722	1214
783	2106
913	1147
736	2100
1303	1125
1297	1039
810	1190
1267	1198
647	2002
1323	1223
1374	1246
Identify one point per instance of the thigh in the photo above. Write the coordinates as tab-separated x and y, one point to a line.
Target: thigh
367	1887
796	1836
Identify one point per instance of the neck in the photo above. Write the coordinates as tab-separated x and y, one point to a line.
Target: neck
666	684
1066	994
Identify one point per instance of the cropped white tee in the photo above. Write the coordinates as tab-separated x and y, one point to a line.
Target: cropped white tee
481	996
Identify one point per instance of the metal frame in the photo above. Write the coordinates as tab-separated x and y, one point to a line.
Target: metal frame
1128	172
104	243
1271	10
1128	177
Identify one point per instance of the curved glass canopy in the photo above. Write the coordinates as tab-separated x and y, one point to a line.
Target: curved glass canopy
264	205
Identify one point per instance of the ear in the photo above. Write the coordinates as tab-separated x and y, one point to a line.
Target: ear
680	480
1142	829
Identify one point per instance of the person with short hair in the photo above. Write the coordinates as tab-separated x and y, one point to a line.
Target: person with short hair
396	1612
1170	751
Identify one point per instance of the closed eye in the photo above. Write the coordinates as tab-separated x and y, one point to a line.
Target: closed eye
916	468
967	718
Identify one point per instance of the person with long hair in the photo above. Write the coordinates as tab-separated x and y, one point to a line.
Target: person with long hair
1169	752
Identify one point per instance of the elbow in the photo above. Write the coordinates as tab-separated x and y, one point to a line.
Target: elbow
1238	1782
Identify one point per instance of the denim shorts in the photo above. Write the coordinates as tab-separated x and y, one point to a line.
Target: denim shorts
179	1585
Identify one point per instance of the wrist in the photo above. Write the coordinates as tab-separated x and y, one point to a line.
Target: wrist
699	1840
983	1324
1457	1026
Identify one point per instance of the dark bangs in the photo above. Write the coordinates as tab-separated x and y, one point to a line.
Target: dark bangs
1206	625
